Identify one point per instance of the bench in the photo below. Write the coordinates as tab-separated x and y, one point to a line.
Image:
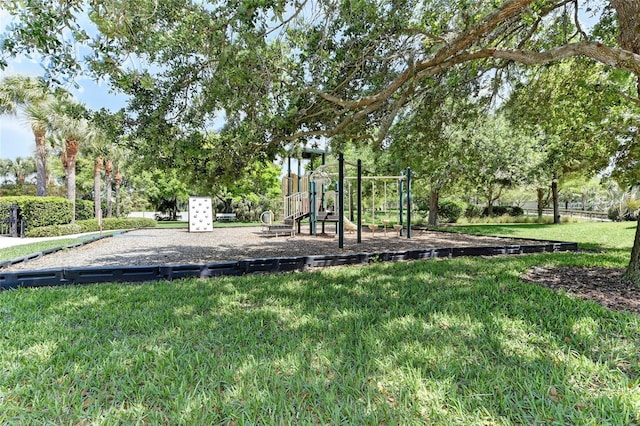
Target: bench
269	227
225	217
280	229
327	217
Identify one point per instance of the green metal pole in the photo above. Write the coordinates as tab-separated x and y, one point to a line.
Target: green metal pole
401	190
289	183
341	200
408	202
359	184
313	208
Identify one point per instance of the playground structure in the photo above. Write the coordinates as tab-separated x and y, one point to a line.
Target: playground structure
313	197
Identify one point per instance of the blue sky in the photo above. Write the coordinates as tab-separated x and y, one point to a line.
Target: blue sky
16	139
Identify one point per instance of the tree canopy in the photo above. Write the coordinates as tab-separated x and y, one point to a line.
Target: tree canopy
280	71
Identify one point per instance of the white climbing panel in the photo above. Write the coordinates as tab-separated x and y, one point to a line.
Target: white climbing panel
200	214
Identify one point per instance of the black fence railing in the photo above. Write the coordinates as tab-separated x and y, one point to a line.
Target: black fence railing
11	222
582	214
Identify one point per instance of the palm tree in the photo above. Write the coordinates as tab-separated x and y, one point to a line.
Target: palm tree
98	165
32	96
21	168
120	158
72	128
99	150
108	176
5	169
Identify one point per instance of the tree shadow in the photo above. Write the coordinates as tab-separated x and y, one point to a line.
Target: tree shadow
459	340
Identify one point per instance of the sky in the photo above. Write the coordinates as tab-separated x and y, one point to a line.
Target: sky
16	138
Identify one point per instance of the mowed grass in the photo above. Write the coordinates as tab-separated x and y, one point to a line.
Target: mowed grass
461	341
589	235
21	250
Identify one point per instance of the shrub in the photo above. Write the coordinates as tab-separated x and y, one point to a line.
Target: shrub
472	210
630	211
90	225
614	213
516	211
503	210
84	210
42	211
449	211
421	204
54	230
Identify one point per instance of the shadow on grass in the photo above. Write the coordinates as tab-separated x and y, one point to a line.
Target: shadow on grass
456	341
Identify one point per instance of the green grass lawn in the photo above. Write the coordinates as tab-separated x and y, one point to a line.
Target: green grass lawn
589	235
30	248
461	341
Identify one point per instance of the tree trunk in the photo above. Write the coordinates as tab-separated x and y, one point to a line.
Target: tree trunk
434	195
69	161
97	191
490	204
540	194
118	182
632	274
41	164
556	207
108	172
629	38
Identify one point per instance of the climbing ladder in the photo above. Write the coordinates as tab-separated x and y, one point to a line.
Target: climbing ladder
296	205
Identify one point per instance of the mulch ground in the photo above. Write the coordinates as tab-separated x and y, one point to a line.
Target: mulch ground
601	285
166	246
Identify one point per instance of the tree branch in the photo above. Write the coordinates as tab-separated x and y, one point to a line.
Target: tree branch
612	56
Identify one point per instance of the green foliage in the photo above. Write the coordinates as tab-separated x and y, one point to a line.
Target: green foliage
497	156
503	210
42	211
54	230
84	209
450	211
576	114
90	225
16	190
165	190
473	211
625	211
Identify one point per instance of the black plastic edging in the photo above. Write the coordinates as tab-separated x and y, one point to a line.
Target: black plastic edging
55	277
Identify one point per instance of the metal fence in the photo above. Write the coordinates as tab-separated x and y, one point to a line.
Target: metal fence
582	214
11	222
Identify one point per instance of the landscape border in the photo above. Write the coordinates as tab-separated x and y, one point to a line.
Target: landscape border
122	274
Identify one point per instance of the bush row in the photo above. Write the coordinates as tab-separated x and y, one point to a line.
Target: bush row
90	225
449	211
503	210
39	211
45	211
84	210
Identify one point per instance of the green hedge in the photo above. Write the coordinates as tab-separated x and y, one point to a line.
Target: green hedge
90	225
40	211
85	210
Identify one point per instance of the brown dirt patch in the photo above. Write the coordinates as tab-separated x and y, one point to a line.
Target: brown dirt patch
601	285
